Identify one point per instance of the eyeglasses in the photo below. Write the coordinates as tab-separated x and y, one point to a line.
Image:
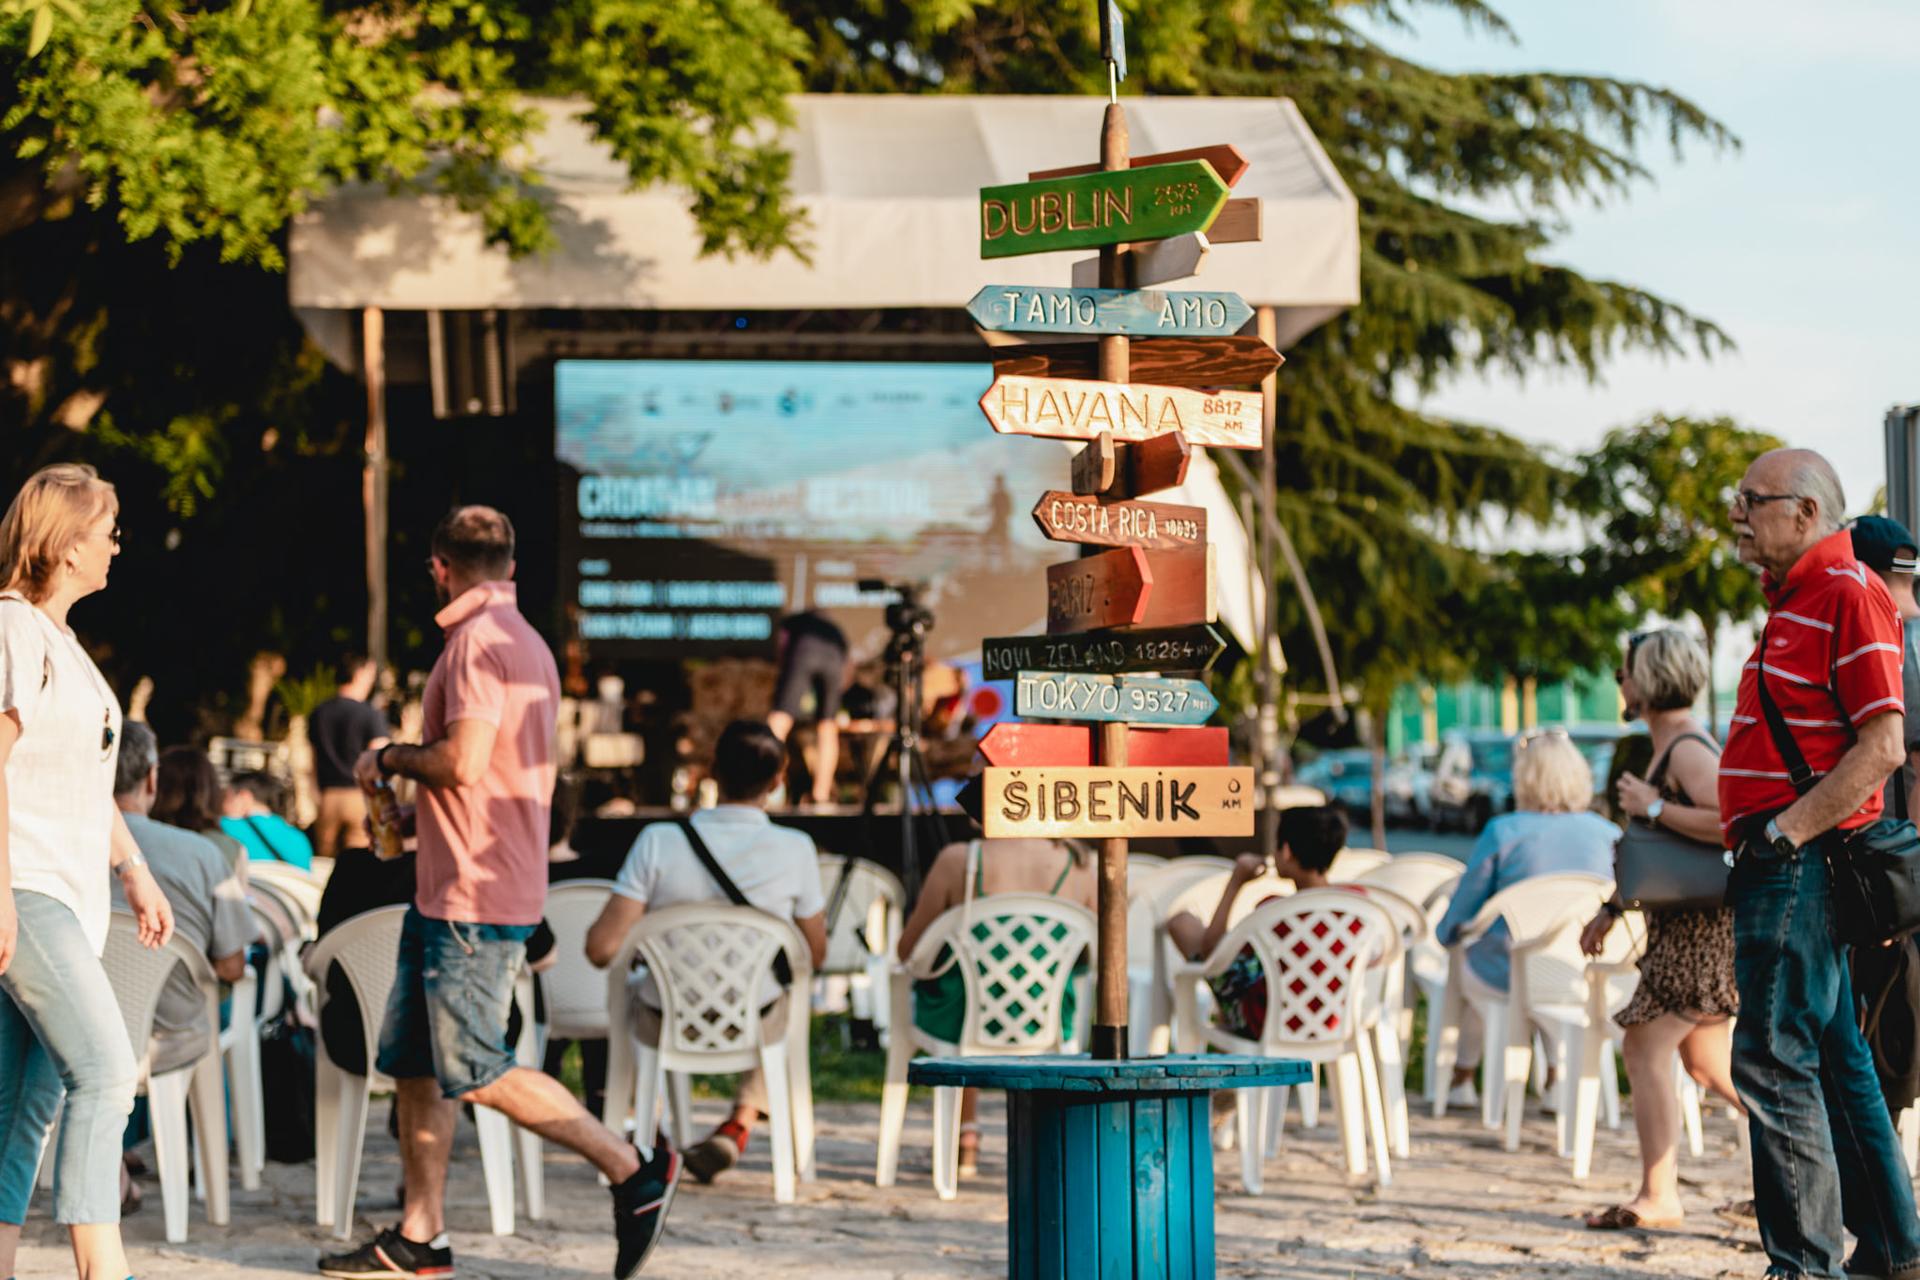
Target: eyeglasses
106	733
1532	736
112	535
1634	642
1747	499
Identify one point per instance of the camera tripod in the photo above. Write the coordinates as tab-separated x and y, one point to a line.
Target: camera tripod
904	761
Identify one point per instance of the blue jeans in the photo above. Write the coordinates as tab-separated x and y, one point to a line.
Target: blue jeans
1824	1150
452	997
61	1031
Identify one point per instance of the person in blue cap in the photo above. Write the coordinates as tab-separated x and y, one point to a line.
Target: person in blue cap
1889	549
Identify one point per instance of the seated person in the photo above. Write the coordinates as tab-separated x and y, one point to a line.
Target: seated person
775	869
209	906
1310	839
189	798
981	869
248	816
1552	830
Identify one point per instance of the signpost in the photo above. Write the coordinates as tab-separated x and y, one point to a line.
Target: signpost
1106	590
1121	699
1153	526
1190	650
1115	803
1109	470
1168	362
1095	209
1144	313
1076	409
1009	745
1155	262
1227	161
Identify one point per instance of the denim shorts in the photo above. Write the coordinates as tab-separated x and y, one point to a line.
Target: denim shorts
452	996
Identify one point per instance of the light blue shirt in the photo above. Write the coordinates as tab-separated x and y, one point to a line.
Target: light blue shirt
269	837
1512	848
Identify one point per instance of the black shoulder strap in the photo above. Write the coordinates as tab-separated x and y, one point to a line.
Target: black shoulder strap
707	860
265	838
1790	754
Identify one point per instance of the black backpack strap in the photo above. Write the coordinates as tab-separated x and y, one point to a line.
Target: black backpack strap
1790	754
712	864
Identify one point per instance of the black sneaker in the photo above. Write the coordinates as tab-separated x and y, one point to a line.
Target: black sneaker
640	1209
708	1160
389	1256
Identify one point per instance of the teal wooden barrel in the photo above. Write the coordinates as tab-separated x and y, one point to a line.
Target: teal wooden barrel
1110	1164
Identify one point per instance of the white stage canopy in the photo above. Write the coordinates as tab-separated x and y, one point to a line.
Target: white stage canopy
889	184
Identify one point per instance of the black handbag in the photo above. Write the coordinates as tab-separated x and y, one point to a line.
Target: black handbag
1659	870
1875	869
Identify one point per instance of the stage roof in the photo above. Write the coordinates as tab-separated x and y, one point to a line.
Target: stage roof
889	183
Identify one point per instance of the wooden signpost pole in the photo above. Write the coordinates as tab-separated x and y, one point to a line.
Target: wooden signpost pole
1108	1041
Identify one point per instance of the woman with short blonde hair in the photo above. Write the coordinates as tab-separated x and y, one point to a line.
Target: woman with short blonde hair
60	1029
1552	831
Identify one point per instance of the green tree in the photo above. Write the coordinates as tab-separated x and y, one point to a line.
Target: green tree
1380	499
1663	487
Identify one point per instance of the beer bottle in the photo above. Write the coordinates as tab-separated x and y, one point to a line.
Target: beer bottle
383	808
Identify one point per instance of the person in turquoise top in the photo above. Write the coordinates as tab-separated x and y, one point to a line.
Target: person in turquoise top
247	815
1553	831
997	866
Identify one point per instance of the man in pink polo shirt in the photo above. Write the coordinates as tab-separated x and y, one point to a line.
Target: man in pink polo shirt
485	773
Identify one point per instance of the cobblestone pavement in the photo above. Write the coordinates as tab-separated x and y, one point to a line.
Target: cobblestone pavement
1461	1207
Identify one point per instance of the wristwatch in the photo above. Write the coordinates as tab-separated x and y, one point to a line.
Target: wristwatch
1654	811
1782	846
128	863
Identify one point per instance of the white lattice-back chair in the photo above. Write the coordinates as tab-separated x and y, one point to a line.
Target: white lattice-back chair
138	976
1543	917
1351	864
1015	953
860	936
709	962
1314	950
366	947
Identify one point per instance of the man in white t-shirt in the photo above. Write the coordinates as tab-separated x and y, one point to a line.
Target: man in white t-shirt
775	868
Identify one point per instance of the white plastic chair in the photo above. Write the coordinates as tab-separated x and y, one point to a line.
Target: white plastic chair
290	881
708	961
1149	902
1351	864
1015	953
240	1046
288	901
138	976
1543	915
1317	1009
367	950
860	943
1389	1011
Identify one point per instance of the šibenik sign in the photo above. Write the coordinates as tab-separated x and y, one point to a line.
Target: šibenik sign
1139	313
1150	203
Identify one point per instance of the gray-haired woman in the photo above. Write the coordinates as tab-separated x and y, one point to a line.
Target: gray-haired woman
60	1027
1686	995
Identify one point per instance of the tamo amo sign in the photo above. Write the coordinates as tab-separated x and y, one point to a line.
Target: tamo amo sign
1138	313
1101	803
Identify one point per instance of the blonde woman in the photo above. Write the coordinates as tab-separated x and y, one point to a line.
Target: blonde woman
60	1029
1686	995
1551	831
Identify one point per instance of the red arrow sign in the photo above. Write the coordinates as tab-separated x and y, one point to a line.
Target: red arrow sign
1016	746
1225	159
1107	590
1182	588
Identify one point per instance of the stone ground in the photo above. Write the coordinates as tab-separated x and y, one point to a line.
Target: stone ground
1461	1207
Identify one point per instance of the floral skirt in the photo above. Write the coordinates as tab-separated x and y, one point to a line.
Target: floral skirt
1687	968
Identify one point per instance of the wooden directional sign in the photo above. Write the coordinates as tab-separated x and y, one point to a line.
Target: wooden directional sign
1084	212
1155	526
1227	161
1155	262
1189	650
1140	313
1168	362
1066	695
1076	409
1009	744
1238	223
1107	590
1181	589
1063	803
1148	466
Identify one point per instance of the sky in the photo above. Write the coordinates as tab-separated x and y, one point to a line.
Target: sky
1804	244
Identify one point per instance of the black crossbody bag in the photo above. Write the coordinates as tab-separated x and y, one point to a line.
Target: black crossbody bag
1875	869
782	970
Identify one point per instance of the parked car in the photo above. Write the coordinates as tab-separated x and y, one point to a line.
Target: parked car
1345	775
1473	779
1407	792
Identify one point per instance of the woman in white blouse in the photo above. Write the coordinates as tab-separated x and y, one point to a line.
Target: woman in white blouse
60	834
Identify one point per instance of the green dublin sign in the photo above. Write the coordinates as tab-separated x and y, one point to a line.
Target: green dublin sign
1092	209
